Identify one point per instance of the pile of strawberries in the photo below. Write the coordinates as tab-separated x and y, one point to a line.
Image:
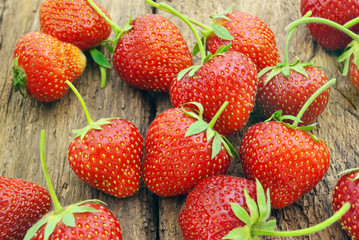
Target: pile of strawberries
185	150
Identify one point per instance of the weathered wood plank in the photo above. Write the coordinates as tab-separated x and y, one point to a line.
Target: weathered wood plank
144	215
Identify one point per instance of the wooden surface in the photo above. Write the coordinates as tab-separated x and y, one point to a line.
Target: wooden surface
144	215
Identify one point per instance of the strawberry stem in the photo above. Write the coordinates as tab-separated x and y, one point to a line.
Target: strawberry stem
171	10
309	230
219	112
311	99
89	120
117	29
307	19
58	208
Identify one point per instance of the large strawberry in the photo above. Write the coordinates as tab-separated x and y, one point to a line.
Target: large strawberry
107	154
74	22
86	219
251	36
226	207
346	190
287	87
22	204
338	11
231	77
150	51
43	63
181	149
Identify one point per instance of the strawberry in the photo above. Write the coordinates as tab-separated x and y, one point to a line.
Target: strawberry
181	149
22	204
289	93
251	36
74	22
226	207
231	77
86	219
346	190
340	12
353	74
107	154
151	54
207	212
42	64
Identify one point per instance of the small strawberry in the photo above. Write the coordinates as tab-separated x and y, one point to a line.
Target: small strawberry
285	158
74	22
22	204
182	149
340	12
107	154
150	51
42	64
353	72
287	87
251	36
86	219
226	207
346	190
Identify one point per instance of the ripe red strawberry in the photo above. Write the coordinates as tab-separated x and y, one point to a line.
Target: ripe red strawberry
251	36
337	11
22	204
231	77
290	162
86	219
346	190
353	74
176	158
289	93
42	64
151	54
74	22
207	213
107	155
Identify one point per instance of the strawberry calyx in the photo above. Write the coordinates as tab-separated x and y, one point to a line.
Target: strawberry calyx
91	124
66	215
20	79
200	126
285	68
257	221
351	49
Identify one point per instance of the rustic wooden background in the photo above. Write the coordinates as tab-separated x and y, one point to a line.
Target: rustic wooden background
144	215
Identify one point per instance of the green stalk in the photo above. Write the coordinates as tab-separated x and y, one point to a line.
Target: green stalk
309	230
171	10
327	22
89	120
286	55
219	112
58	208
351	23
311	99
117	29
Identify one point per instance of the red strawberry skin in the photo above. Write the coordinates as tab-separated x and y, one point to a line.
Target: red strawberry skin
74	22
109	159
98	225
353	74
22	204
289	162
228	77
290	94
174	163
347	190
47	64
151	54
251	36
207	213
337	11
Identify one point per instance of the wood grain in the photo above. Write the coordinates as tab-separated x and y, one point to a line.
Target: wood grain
145	215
